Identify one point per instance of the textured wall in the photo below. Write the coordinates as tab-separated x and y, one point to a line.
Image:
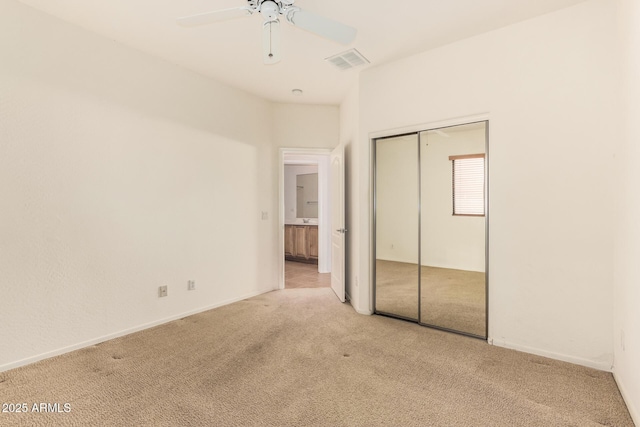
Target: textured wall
120	173
306	126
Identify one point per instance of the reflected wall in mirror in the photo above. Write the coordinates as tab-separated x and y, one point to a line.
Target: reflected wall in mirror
307	195
396	226
300	192
453	241
430	204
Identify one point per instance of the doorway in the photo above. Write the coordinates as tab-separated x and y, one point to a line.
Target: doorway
305	209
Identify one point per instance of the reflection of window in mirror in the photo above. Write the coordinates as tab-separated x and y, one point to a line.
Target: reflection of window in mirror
468	184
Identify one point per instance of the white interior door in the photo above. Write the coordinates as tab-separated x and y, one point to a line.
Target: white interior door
337	222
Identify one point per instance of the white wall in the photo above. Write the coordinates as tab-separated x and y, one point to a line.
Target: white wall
120	173
306	126
291	173
548	86
626	329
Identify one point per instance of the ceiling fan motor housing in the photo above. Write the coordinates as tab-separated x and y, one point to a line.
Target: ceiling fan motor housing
269	10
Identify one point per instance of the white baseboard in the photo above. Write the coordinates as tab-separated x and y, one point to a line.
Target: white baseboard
78	346
601	366
359	311
633	410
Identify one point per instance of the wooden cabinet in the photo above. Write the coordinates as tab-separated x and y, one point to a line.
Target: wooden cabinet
313	242
289	241
301	243
301	246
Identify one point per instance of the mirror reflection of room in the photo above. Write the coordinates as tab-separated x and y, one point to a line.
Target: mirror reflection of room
430	224
453	228
397	226
301	228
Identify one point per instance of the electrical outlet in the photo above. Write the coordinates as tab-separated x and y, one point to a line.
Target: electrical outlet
191	285
265	215
162	291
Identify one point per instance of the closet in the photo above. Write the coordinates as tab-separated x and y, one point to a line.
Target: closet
430	227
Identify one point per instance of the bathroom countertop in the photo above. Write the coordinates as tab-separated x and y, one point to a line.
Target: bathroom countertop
301	223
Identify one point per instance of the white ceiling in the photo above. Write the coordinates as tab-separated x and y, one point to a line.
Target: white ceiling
231	51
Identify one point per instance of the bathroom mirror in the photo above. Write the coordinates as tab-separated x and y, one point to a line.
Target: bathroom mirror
430	227
307	195
300	192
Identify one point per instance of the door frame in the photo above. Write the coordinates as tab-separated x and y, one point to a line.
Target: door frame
319	156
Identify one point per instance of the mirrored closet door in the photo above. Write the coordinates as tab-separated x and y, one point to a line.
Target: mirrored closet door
431	228
397	232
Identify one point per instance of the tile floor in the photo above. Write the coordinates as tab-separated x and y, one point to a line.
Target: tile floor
300	275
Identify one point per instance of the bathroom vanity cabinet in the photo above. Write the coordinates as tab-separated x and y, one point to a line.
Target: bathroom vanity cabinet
301	243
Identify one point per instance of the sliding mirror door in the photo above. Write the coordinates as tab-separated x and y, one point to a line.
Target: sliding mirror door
396	227
453	228
430	227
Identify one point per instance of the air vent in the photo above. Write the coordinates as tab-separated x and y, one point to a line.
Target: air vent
349	59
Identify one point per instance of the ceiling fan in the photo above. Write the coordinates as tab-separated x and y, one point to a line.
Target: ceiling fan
270	11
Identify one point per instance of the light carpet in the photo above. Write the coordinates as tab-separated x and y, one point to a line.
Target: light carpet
298	357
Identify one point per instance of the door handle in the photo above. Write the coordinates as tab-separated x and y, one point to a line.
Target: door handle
341	230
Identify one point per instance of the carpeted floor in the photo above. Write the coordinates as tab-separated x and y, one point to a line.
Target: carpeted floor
298	357
452	299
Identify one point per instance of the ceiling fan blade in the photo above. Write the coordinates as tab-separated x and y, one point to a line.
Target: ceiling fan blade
215	16
271	42
322	26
